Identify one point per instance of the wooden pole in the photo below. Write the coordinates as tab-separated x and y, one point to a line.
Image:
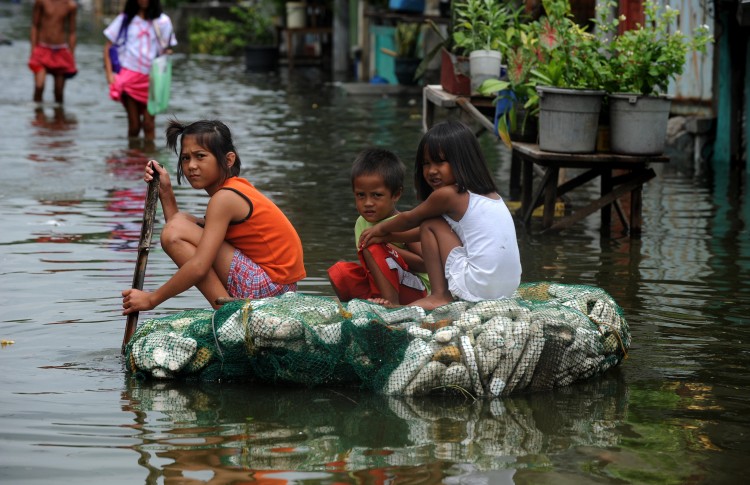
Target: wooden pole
144	246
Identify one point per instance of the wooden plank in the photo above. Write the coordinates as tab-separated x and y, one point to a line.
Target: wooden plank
437	96
144	246
466	105
585	160
577	181
637	182
528	209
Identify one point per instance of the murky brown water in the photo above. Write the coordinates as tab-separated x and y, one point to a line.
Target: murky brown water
70	207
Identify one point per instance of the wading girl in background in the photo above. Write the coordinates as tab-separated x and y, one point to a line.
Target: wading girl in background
467	233
245	247
142	32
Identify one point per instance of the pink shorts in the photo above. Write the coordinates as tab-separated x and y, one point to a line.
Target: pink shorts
134	84
248	280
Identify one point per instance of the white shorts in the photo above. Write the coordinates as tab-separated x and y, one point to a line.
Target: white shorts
467	282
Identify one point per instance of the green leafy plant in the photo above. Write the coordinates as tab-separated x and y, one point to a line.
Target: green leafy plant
480	24
406	40
553	51
250	26
567	56
644	60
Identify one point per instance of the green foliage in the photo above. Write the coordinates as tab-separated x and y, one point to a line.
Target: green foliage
567	55
643	60
481	24
250	26
407	39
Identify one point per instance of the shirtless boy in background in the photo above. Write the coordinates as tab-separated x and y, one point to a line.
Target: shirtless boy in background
53	41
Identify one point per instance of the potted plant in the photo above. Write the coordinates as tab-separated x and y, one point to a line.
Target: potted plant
566	65
556	70
406	57
251	32
454	68
478	31
516	100
258	31
643	61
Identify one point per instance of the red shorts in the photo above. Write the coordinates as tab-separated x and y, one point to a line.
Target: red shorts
55	59
248	280
352	280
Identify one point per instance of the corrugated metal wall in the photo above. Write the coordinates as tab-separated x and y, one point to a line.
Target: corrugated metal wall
693	90
696	82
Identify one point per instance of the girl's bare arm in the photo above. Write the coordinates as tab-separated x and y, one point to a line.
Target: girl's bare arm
413	257
222	208
442	201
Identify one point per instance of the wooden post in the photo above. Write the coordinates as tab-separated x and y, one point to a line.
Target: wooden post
144	246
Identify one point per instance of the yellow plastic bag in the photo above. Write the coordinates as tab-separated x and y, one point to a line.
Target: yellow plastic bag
159	84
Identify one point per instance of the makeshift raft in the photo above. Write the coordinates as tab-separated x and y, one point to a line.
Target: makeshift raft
548	335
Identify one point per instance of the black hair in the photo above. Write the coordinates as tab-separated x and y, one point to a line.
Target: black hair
213	135
379	161
153	11
455	143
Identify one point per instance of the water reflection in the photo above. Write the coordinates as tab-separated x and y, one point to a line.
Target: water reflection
238	432
55	132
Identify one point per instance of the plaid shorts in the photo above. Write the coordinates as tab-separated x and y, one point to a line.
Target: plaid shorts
248	280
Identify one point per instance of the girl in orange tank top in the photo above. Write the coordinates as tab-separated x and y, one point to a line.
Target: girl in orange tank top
244	246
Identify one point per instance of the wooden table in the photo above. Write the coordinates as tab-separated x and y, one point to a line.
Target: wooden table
631	172
528	160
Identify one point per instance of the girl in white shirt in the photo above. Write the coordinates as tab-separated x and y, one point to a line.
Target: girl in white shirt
142	32
467	232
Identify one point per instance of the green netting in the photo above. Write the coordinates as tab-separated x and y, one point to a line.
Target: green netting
548	335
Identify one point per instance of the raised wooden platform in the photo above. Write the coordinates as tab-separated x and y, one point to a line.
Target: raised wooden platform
619	175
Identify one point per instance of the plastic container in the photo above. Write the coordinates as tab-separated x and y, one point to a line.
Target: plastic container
296	16
484	64
407	5
638	124
569	119
454	72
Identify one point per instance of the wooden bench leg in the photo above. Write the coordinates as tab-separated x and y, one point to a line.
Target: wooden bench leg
428	112
633	183
550	196
531	202
515	176
527	187
606	212
636	205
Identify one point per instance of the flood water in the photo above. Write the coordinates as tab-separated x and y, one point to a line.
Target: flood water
71	201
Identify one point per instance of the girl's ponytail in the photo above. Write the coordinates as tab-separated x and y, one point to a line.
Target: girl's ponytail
173	131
